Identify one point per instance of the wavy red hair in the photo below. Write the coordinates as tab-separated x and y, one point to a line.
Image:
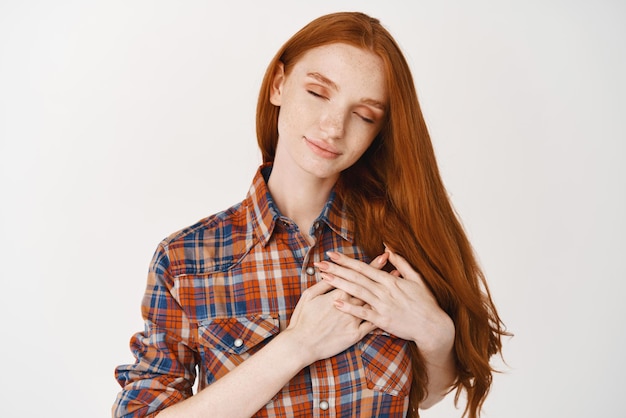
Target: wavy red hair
396	193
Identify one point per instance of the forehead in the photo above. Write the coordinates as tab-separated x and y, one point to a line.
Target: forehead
345	65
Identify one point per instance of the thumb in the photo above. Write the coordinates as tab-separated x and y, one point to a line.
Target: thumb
403	268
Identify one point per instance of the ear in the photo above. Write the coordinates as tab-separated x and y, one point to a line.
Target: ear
277	85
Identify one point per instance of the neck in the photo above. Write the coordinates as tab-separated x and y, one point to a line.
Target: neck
301	197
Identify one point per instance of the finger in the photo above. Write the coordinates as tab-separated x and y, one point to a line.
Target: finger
339	294
344	266
356	301
366	327
363	312
352	288
380	261
403	267
318	289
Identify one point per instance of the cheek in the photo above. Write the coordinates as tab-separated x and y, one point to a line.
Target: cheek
363	144
285	123
358	150
291	119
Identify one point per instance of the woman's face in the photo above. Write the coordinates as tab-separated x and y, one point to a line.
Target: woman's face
332	106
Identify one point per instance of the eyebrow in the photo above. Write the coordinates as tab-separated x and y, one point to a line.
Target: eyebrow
325	80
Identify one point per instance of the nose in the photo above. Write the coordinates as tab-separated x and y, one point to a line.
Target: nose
333	124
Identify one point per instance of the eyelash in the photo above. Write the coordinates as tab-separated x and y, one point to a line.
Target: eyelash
364	119
312	93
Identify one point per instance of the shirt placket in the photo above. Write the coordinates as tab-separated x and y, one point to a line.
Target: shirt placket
309	275
321	372
323	394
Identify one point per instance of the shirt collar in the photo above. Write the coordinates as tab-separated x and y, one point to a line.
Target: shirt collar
264	214
334	215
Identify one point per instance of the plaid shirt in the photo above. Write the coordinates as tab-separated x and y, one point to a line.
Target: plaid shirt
219	290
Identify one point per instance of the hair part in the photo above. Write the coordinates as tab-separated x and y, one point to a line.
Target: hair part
396	193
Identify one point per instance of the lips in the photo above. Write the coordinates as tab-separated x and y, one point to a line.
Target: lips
322	148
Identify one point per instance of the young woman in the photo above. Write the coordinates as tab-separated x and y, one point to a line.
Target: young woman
343	285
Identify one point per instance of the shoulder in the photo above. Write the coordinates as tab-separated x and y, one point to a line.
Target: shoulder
213	243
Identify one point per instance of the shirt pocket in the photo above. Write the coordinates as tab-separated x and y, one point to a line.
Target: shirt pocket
387	363
238	335
224	343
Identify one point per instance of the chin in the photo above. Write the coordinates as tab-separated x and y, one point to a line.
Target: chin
324	173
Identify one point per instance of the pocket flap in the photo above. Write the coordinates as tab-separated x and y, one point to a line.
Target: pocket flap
387	363
237	335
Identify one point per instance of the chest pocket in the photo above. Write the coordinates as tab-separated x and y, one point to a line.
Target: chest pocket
224	343
387	363
238	335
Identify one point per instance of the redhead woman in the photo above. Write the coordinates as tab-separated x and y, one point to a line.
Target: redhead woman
343	285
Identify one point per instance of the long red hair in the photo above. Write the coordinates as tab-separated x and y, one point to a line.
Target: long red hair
396	193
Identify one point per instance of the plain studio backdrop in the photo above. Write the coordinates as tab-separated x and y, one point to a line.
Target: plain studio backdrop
124	121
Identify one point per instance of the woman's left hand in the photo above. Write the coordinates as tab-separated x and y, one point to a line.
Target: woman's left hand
399	303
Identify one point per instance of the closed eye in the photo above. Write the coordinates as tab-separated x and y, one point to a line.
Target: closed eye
364	119
314	94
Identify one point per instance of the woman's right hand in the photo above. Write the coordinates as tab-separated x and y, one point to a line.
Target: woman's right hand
319	328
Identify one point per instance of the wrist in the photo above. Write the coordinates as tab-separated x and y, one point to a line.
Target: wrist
295	349
438	347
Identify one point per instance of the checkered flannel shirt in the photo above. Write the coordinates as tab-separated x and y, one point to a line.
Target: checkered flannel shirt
219	290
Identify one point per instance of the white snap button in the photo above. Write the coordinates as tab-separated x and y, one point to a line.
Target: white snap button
238	342
310	271
324	405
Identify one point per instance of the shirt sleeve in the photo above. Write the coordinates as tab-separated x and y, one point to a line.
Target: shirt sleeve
165	368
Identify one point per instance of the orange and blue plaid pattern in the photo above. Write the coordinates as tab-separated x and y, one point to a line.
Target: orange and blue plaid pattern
220	289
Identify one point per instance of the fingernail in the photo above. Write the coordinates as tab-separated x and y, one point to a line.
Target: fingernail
333	255
322	265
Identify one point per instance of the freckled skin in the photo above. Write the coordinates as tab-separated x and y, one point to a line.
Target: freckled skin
328	110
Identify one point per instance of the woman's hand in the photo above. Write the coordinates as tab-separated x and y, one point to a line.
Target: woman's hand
399	303
320	329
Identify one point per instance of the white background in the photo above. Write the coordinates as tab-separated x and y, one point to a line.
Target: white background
123	121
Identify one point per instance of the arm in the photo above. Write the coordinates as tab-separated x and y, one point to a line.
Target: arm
440	366
316	331
260	377
434	335
164	370
399	303
161	379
